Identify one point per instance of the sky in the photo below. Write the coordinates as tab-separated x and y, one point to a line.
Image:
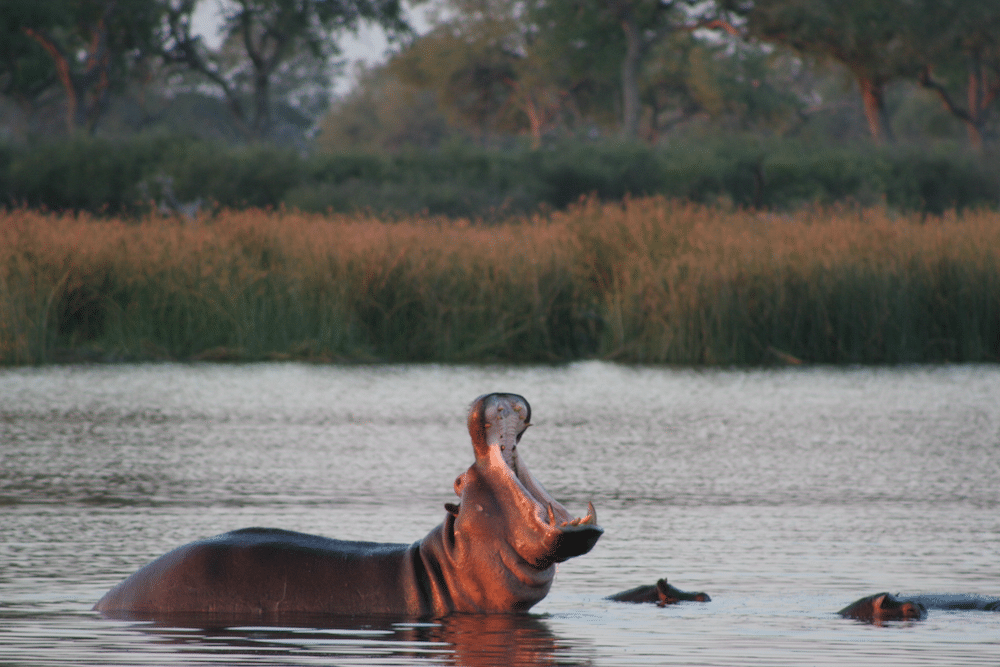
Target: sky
368	47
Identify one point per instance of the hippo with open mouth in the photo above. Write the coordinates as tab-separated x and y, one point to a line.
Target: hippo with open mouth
495	552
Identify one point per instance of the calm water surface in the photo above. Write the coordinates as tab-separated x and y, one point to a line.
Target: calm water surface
785	494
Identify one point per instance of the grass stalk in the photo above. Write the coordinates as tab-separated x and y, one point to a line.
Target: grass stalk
647	280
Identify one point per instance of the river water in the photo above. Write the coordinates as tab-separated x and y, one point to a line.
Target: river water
785	494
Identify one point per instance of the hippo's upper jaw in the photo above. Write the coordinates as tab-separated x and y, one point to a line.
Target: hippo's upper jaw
538	528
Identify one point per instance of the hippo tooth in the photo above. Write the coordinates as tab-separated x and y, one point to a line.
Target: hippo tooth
591	517
576	521
552	516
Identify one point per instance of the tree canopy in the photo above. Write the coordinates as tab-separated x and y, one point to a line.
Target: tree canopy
266	36
92	47
491	70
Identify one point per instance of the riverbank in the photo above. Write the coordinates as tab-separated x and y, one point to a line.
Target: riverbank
647	280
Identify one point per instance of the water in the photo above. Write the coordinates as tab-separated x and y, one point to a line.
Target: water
785	494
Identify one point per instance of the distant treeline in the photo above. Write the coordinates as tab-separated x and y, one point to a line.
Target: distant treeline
647	280
129	177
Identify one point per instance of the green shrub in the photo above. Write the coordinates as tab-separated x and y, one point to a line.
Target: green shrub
463	180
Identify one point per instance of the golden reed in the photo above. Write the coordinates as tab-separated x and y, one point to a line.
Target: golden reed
644	280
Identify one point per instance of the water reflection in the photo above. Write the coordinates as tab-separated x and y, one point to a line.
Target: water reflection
475	640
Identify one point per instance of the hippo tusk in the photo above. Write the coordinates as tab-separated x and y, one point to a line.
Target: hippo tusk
591	518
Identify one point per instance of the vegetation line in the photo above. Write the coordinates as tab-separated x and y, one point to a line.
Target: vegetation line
648	280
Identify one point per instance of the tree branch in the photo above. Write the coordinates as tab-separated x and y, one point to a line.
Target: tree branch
62	71
927	82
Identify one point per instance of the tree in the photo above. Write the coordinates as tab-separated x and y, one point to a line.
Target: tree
93	46
383	113
735	83
26	70
867	36
621	35
958	42
267	35
607	40
25	67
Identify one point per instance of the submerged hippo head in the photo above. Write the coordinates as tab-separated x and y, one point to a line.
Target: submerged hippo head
507	523
884	607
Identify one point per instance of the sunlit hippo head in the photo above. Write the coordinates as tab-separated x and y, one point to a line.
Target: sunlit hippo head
884	607
506	518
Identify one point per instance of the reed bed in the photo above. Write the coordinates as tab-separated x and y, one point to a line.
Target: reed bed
647	280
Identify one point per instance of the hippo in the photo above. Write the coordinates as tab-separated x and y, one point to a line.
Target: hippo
495	552
661	593
887	607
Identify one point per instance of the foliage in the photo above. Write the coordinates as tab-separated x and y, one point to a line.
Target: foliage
460	179
470	78
959	47
499	70
384	114
93	46
25	68
869	37
267	35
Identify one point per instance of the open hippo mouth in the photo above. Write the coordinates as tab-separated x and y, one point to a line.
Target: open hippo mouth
539	529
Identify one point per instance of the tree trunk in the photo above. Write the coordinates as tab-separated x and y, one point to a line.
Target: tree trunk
979	101
873	96
262	105
980	95
631	104
86	91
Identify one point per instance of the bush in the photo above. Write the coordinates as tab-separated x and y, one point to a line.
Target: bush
462	180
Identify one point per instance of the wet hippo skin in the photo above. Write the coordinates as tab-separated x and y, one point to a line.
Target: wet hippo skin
888	607
661	593
495	551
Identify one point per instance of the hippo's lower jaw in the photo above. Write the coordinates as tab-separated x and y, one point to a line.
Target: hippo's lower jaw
495	551
577	540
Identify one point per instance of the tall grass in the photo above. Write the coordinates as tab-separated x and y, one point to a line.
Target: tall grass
644	280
